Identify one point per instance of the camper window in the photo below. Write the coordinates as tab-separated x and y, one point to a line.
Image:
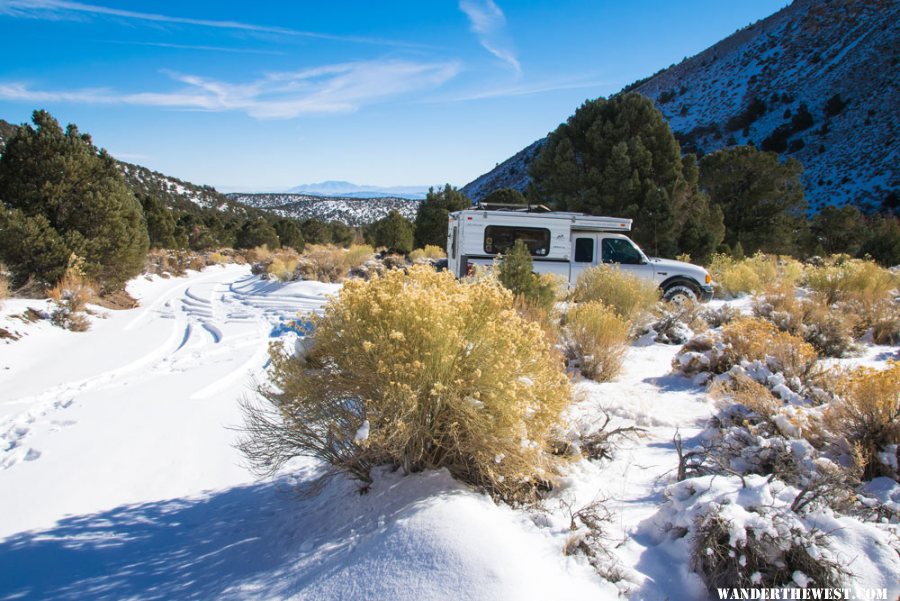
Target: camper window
500	238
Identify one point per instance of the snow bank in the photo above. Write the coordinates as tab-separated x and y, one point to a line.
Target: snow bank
761	508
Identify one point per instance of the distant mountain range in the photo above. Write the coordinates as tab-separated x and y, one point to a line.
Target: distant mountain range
349	190
332	201
816	81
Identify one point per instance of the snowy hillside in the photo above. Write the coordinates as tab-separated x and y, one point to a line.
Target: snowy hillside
815	81
511	173
121	479
351	211
175	192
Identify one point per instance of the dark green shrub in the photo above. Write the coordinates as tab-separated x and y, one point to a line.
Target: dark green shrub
69	198
515	273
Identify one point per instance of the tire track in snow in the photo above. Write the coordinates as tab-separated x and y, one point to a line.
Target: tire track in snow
207	313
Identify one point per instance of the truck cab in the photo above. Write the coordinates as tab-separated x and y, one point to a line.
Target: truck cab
678	280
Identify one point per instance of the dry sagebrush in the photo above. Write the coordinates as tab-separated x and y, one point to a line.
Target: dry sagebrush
418	371
878	319
830	330
4	285
358	254
632	297
324	263
71	296
845	279
755	558
865	416
746	340
283	265
596	339
758	340
733	277
427	254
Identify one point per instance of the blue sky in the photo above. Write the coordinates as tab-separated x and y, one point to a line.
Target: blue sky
260	96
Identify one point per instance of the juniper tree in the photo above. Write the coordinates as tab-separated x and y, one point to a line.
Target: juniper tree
63	191
31	247
516	273
509	196
342	234
289	234
432	215
762	199
393	232
257	232
315	231
161	222
618	157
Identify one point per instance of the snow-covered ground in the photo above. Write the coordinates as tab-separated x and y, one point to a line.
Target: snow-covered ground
119	477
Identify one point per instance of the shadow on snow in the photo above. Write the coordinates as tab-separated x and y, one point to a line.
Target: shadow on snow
254	540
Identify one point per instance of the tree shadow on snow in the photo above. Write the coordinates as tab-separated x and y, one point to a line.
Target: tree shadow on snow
673	382
257	540
166	549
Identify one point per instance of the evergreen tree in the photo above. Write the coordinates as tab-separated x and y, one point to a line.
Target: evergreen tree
762	200
289	234
315	231
257	232
883	243
393	232
838	230
31	247
161	223
432	218
71	188
702	225
342	234
516	268
195	233
618	157
516	273
508	196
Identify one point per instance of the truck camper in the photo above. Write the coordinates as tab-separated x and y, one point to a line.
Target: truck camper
565	244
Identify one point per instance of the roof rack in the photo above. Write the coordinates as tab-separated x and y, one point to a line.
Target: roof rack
498	206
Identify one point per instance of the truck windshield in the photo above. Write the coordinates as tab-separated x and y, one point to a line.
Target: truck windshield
620	250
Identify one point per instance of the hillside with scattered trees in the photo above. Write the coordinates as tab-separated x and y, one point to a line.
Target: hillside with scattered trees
813	82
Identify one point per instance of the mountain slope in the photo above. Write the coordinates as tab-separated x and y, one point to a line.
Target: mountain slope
174	193
350	211
816	81
360	205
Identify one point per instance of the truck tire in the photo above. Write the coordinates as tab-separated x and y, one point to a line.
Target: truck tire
680	293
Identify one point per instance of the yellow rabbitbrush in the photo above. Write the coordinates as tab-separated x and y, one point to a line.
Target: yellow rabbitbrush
421	371
866	414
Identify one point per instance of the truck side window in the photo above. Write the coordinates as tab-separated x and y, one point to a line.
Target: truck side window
617	250
499	239
584	250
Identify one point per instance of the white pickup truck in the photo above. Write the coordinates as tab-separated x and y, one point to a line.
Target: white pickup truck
565	244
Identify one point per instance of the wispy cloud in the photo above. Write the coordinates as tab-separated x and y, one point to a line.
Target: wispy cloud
541	87
488	23
334	88
56	9
196	47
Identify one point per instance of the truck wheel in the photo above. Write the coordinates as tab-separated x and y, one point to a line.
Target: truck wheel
680	294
